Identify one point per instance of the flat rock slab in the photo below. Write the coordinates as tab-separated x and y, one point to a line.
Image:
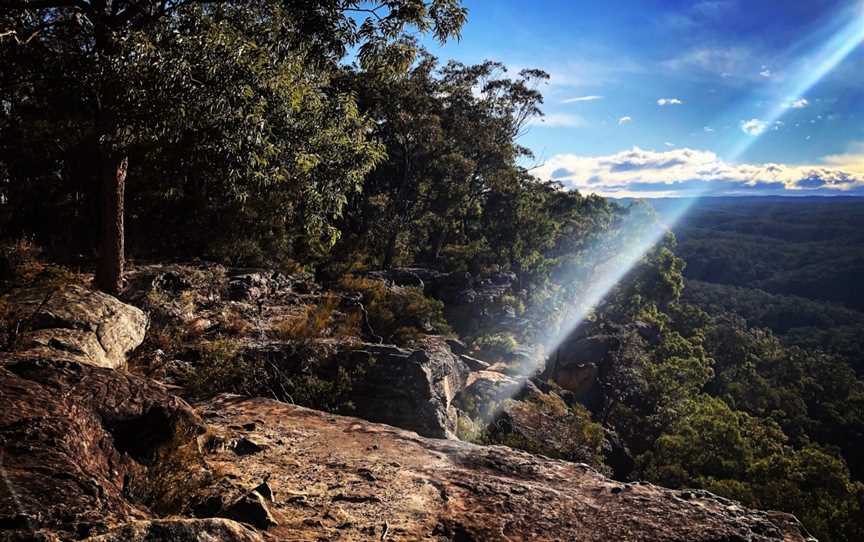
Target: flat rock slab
339	478
76	324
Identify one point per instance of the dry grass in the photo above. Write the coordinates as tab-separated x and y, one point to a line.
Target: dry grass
233	323
21	265
313	321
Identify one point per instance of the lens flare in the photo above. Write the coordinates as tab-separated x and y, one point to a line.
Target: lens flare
613	255
844	34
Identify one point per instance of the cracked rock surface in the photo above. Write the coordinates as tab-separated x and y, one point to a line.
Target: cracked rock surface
340	478
76	324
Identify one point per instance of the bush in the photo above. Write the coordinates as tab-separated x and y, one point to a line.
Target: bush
495	346
399	315
21	265
299	376
319	320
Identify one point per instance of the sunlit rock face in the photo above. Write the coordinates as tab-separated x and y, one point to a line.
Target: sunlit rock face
76	324
341	478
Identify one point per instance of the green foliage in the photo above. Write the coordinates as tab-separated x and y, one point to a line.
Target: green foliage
397	314
745	458
223	368
544	424
224	110
495	346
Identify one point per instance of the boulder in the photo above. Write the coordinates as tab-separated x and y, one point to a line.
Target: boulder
251	508
348	479
85	448
484	392
76	324
579	363
542	423
410	388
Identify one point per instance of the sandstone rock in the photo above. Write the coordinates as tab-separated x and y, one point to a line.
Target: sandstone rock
428	489
179	530
413	389
578	364
251	508
77	324
86	447
542	423
473	363
484	392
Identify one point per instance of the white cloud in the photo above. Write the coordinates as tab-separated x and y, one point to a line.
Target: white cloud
800	103
753	127
682	171
853	160
765	72
669	144
581	99
559	120
669	101
624	120
725	62
708	129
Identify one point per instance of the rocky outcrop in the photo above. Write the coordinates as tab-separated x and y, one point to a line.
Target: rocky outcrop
471	302
85	447
484	393
100	455
584	360
75	324
338	478
413	388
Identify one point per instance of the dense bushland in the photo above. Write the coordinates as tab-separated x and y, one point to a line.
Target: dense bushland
316	135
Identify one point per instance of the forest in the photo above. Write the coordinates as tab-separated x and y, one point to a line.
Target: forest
321	139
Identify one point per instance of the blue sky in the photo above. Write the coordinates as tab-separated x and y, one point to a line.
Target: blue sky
672	98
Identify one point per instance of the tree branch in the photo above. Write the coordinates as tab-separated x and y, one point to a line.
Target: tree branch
44	4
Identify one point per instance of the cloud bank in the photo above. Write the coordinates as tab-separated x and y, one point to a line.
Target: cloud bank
669	101
688	172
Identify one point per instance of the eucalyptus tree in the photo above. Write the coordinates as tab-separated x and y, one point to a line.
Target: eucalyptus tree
102	64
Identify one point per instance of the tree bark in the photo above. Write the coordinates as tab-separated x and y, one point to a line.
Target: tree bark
109	269
390	250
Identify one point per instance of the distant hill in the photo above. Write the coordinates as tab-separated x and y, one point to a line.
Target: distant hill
811	247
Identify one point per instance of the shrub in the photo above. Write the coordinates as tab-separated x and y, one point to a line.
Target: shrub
19	262
313	321
497	345
222	368
397	314
319	320
21	265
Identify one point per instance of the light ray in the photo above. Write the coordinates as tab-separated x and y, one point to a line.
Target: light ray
845	33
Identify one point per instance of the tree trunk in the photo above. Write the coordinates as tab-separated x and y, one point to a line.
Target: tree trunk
390	251
109	269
